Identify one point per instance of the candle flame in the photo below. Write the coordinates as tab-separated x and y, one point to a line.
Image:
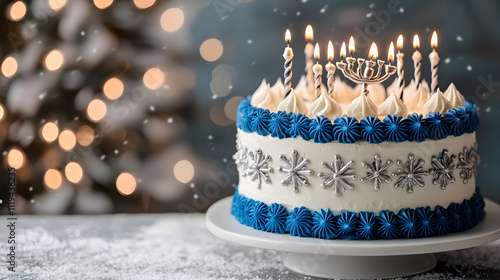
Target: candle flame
373	54
342	51
416	42
390	56
309	33
316	51
352	48
434	40
399	42
288	36
330	51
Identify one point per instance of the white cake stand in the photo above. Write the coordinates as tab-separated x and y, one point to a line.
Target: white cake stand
353	259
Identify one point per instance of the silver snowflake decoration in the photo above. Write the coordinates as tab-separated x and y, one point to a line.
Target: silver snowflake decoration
442	169
296	171
377	173
477	160
241	158
410	173
337	175
466	162
257	167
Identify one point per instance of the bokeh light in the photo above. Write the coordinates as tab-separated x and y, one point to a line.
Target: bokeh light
218	116
52	179
15	158
113	88
221	85
57	5
125	183
2	113
231	107
211	49
85	135
96	110
144	4
50	131
172	19
17	11
67	140
184	171
54	60
73	172
103	4
9	66
153	78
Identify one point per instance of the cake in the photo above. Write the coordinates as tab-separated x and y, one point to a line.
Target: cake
346	167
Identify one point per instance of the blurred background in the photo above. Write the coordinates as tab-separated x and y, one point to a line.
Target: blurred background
129	105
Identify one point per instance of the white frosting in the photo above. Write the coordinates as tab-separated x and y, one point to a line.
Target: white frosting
343	93
301	87
362	107
393	88
326	106
265	98
415	102
279	88
293	103
454	96
409	90
437	103
376	93
393	105
362	197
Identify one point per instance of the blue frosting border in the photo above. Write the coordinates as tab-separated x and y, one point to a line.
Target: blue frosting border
407	223
414	128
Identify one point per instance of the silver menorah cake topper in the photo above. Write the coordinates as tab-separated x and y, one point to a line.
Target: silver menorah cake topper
367	77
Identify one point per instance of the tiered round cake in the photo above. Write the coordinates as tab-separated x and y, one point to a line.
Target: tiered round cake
356	166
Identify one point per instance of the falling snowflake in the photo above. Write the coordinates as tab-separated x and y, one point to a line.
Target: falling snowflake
377	173
296	171
442	169
466	163
257	167
241	159
337	175
410	173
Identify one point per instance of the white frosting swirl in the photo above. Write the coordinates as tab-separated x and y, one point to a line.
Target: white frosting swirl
393	105
265	98
393	88
376	92
416	101
437	103
343	93
301	87
293	103
279	88
326	106
362	107
454	96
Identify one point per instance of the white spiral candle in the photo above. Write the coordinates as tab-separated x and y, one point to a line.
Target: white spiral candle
288	55
401	74
434	58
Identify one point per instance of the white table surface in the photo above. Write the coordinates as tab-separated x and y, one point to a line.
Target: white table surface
173	246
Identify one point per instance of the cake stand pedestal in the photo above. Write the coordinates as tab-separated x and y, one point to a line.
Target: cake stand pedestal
353	259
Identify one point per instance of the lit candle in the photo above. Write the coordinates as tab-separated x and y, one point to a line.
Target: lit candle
401	71
330	69
318	71
352	47
373	55
434	58
288	55
351	60
417	57
342	52
309	52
